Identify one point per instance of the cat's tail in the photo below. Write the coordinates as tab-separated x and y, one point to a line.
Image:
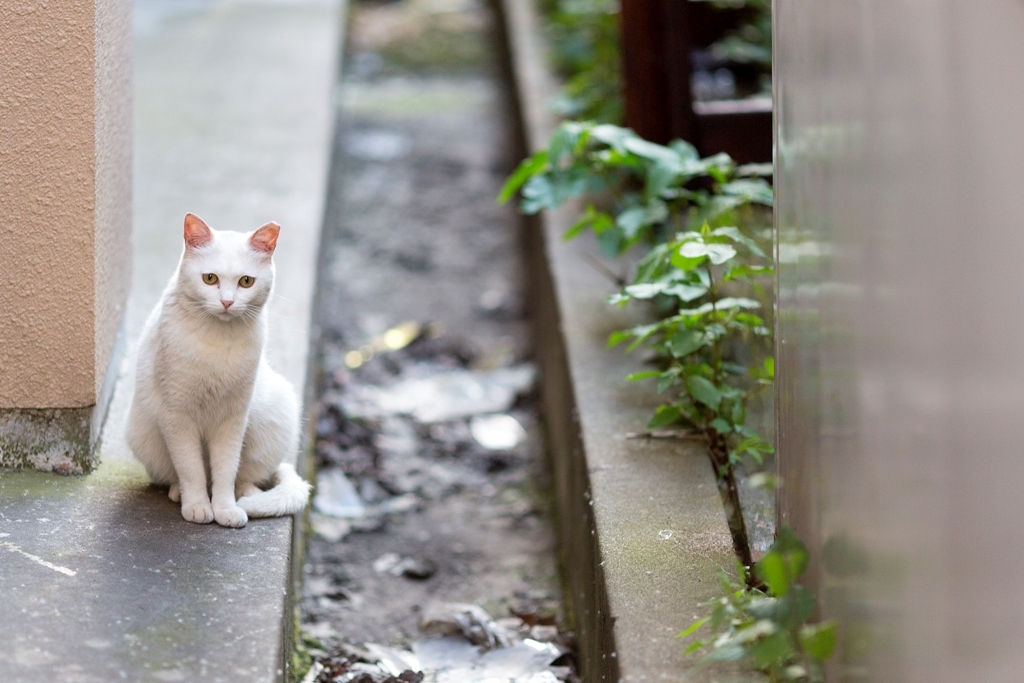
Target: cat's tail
288	496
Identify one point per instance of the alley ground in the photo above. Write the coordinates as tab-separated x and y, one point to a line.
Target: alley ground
414	235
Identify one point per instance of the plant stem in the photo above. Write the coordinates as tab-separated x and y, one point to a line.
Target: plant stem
715	362
725	476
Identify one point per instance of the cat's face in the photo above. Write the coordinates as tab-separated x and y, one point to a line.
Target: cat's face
227	275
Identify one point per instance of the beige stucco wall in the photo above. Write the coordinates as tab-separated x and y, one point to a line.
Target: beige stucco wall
65	146
113	173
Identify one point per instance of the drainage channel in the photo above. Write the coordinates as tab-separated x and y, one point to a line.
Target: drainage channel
431	555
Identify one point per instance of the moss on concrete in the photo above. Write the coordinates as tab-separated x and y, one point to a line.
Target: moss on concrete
113	475
51	440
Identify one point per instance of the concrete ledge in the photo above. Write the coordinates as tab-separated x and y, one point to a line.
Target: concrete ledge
103	581
101	578
641	525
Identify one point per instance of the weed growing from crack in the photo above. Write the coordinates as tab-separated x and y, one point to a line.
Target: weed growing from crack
769	627
704	272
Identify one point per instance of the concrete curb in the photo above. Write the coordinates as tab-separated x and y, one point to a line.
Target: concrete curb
640	522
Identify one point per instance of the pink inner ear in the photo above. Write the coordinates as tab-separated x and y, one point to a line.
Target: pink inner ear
264	240
197	233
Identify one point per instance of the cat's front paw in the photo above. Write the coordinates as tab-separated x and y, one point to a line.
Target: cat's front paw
233	516
200	513
174	493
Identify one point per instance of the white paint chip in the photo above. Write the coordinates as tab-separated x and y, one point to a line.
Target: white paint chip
35	558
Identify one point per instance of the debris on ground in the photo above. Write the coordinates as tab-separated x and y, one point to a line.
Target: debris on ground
469	647
409	567
497	432
336	496
470	621
407	428
386	466
441	396
425	403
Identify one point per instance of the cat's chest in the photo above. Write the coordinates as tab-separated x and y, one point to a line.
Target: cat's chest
204	369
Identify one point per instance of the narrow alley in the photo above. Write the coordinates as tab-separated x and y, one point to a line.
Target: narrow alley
431	487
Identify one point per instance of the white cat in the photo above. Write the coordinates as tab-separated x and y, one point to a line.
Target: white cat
206	403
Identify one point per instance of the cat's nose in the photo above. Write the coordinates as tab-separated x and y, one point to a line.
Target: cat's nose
226	304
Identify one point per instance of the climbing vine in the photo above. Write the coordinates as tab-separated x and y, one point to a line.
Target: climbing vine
704	272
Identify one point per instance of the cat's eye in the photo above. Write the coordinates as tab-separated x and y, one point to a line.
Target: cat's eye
210	278
246	281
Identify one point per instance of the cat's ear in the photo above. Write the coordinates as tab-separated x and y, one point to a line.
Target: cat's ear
264	240
197	233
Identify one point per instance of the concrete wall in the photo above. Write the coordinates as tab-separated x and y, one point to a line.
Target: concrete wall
900	157
65	186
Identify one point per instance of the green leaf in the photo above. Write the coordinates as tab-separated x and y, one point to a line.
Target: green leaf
703	391
738	412
720	253
796	606
664	416
775	650
632	221
756	444
721	426
537	194
642	332
749	319
611	242
668	378
763	608
783	564
736	302
694	646
644	374
616	338
717	253
735	235
563	141
692	628
769	368
819	640
650	150
686	292
613	136
598	221
686	342
754	191
659	178
699	310
763	170
772	570
528	167
741	270
652	265
685	150
647	290
685	263
728	653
